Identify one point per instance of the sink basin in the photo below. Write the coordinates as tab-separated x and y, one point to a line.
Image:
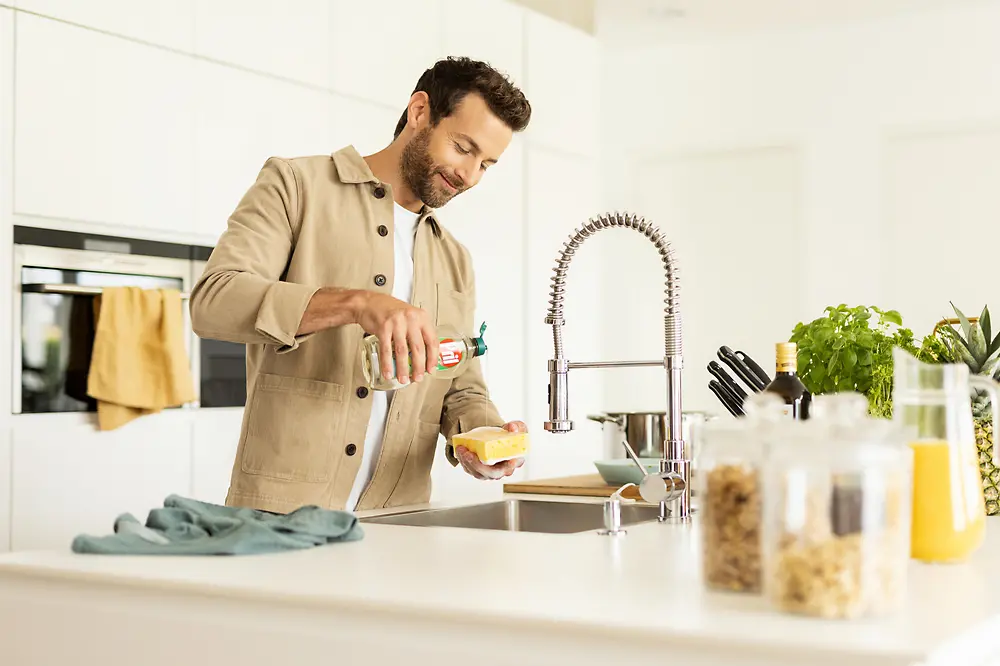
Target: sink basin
521	515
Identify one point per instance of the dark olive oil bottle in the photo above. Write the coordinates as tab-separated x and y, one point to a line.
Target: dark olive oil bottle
786	383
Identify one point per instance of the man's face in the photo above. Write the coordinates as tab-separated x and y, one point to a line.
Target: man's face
440	162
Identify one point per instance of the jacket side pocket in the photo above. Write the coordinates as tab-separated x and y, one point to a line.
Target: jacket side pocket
292	427
414	484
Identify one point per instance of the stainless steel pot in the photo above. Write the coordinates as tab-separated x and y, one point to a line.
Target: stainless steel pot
646	432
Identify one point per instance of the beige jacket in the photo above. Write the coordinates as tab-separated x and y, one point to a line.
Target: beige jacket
327	221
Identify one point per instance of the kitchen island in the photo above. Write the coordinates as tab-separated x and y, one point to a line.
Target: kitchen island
436	595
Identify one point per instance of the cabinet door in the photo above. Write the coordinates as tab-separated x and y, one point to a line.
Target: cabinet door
6	289
563	75
566	196
287	39
502	46
104	129
69	478
380	49
165	22
366	126
242	120
216	436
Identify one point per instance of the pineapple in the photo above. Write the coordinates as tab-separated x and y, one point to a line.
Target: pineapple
982	355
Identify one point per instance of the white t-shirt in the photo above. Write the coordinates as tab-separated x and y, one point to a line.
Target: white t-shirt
404	235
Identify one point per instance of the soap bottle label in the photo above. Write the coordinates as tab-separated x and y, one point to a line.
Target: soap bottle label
449	353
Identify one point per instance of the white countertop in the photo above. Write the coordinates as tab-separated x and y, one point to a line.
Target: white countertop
642	587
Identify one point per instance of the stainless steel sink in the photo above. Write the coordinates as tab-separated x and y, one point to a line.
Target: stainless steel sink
520	515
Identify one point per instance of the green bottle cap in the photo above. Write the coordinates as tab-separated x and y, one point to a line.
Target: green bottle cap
479	345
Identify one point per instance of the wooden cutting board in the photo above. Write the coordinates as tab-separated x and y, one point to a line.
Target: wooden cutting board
584	485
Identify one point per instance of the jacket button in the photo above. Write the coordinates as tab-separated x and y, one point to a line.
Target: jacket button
380	280
379	192
362	392
383	230
351	449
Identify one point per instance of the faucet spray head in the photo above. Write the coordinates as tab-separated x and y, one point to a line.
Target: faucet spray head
558	397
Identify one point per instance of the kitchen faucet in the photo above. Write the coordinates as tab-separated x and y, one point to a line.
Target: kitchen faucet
675	463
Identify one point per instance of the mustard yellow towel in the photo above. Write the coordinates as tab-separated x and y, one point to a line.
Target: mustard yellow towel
140	364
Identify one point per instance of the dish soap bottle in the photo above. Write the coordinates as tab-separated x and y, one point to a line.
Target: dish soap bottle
455	351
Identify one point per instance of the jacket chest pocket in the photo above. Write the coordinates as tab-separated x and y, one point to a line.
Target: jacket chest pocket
452	309
293	426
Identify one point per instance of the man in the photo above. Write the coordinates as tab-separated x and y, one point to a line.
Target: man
323	250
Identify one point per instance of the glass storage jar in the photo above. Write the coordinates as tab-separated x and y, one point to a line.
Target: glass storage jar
837	515
728	486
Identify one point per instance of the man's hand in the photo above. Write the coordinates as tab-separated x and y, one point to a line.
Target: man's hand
402	330
480	470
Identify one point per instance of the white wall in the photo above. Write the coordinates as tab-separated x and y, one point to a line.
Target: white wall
854	163
151	119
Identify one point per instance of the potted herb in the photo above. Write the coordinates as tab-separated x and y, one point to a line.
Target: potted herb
850	349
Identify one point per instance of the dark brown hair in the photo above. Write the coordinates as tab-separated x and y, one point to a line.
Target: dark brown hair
450	80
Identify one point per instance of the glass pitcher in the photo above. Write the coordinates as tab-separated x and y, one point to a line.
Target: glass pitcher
932	404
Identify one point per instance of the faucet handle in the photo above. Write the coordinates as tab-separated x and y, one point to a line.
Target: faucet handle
661	487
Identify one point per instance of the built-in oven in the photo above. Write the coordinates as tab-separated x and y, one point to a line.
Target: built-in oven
57	274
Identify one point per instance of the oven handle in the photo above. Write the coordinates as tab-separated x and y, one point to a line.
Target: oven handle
69	289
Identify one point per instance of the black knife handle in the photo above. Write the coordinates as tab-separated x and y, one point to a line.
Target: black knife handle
756	369
727	356
720	373
725	398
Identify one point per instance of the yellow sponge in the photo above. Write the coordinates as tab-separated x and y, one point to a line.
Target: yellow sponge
493	444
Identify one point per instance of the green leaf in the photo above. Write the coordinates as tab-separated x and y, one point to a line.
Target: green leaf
832	365
850	359
845	384
839	343
984	321
866	340
966	326
822	334
865	358
819	374
977	342
894	317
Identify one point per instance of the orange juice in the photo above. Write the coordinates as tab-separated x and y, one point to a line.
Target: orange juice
948	511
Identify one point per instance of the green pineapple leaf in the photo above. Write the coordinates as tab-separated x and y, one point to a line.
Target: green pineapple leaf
977	343
966	326
990	366
961	349
984	321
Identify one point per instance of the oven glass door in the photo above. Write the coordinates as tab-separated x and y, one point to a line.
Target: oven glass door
57	335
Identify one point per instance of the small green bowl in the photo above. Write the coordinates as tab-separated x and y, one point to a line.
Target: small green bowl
620	471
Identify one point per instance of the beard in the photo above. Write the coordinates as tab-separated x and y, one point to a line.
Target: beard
419	172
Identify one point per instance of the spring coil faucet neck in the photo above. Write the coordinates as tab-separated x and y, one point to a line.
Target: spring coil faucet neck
675	463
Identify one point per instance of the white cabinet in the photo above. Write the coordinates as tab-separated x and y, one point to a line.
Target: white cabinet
502	46
380	49
366	126
6	479
563	76
104	129
6	290
216	437
242	120
69	478
165	22
941	208
290	40
563	194
734	220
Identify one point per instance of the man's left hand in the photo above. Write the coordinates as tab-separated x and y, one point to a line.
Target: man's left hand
480	470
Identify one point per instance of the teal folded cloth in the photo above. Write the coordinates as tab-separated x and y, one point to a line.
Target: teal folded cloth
185	526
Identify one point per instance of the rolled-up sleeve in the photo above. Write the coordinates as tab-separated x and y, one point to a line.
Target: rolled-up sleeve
240	296
467	405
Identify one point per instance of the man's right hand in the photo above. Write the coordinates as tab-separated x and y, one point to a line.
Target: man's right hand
402	330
